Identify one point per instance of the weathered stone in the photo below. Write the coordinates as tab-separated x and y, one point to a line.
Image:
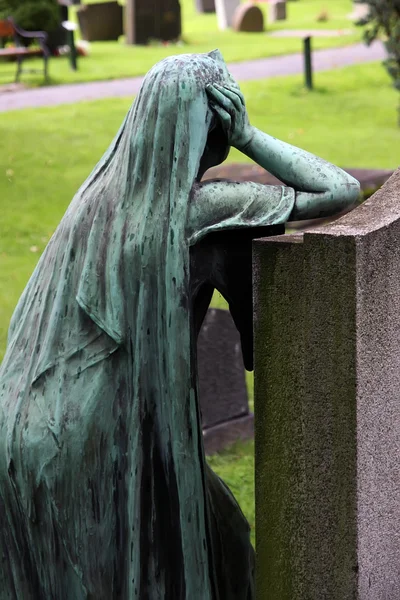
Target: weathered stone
248	17
276	11
101	21
225	10
327	380
144	21
225	434
222	385
205	6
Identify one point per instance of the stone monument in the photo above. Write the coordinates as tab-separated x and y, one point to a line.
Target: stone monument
101	21
104	488
144	20
248	17
225	10
327	388
276	10
222	385
205	6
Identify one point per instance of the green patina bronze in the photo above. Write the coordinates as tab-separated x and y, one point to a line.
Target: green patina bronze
104	489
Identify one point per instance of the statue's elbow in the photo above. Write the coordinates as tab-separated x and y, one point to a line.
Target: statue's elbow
353	191
348	193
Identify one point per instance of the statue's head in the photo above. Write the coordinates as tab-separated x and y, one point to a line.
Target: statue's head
193	72
178	84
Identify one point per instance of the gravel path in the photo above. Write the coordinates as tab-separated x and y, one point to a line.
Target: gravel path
262	68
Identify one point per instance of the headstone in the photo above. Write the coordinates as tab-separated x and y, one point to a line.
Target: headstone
276	11
222	385
205	6
225	10
327	410
144	20
101	21
248	17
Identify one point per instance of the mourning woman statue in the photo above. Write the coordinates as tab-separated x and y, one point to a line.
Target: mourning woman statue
104	489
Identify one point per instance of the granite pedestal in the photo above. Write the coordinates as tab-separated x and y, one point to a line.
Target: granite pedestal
327	407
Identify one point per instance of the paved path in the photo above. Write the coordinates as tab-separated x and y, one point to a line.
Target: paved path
262	68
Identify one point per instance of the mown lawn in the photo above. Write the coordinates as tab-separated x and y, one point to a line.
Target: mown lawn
45	154
236	467
111	60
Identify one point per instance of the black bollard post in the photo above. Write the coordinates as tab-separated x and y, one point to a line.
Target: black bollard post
73	52
70	27
308	63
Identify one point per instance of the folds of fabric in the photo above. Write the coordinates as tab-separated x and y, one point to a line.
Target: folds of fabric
103	487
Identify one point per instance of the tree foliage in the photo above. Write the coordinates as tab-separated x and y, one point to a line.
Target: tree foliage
32	15
383	22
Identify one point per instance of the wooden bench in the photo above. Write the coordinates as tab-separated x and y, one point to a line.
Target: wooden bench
9	29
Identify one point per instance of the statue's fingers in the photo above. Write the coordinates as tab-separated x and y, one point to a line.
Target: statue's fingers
236	91
230	93
224	116
218	97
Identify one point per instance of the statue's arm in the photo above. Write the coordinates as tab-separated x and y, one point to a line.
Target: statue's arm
322	189
218	205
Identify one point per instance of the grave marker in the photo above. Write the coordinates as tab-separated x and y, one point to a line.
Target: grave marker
225	10
222	384
327	410
205	6
146	20
276	11
248	17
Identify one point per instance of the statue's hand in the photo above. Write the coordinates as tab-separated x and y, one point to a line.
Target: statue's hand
228	104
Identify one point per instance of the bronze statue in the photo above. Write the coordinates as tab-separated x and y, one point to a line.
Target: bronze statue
104	489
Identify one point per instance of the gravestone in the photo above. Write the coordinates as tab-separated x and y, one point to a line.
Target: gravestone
225	10
327	410
205	6
101	21
152	19
222	385
276	11
248	17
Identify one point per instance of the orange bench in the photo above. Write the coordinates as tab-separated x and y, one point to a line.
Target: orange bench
8	29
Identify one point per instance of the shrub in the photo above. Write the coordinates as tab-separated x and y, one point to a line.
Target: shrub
32	15
383	21
323	16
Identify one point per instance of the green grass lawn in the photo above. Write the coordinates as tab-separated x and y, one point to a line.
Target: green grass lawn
350	119
111	60
236	467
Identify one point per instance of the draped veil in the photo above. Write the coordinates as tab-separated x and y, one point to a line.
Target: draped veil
98	382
